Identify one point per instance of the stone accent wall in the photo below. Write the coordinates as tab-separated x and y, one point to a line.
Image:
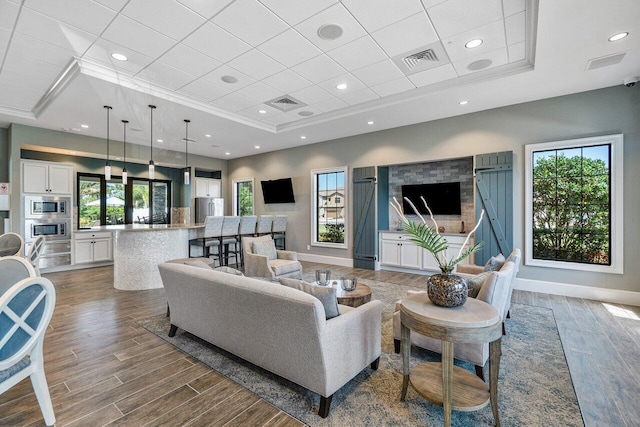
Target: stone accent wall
431	173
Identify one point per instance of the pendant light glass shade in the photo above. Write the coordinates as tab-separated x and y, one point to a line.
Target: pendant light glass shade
124	146
187	177
107	166
152	166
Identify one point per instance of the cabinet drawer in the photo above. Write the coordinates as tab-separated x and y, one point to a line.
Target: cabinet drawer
395	236
97	235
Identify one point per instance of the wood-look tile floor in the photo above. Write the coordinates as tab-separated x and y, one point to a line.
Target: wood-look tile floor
104	369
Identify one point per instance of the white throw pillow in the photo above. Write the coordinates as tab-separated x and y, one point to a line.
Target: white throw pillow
326	294
267	249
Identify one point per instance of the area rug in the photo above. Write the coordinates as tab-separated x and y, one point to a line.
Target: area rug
535	387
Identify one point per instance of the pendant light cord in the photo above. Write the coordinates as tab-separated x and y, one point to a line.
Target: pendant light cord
186	144
152	107
108	110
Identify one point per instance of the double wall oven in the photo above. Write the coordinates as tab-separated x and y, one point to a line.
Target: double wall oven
49	216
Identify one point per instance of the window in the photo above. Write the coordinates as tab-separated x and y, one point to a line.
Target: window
574	204
141	201
243	196
329	213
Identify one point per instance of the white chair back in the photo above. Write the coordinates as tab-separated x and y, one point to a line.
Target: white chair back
14	269
230	226
25	312
34	253
279	224
248	225
213	226
11	244
264	224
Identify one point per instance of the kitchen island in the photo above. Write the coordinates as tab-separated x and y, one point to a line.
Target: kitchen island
139	248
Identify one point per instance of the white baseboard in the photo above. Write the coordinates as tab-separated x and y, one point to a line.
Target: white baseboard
616	296
324	259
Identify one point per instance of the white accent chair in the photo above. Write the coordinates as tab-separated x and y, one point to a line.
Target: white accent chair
11	244
25	312
279	231
34	253
285	265
494	291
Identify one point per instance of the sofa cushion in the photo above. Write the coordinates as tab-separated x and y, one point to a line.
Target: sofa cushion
267	249
198	263
475	283
228	270
494	263
284	266
326	294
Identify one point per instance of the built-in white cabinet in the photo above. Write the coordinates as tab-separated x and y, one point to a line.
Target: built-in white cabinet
93	247
397	250
47	178
206	187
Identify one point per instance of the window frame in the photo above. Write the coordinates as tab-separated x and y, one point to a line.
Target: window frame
314	207
235	183
616	143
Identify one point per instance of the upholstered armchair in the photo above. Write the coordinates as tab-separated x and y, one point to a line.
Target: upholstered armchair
494	291
261	259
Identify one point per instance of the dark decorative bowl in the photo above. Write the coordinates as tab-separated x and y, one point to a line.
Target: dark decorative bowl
447	290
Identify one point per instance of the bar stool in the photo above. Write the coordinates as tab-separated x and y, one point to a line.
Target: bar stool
247	228
229	237
264	225
279	230
211	237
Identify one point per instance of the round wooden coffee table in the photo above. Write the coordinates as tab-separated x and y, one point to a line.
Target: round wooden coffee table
441	382
361	295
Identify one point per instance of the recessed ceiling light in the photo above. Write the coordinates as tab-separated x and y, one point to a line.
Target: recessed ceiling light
208	136
119	57
305	113
370	122
229	79
341	86
262	111
72	153
473	43
84	126
227	153
618	36
330	31
303	137
463	102
257	147
480	64
159	140
118	158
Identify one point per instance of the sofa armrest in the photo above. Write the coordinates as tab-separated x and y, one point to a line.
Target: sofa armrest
350	342
469	269
289	255
257	266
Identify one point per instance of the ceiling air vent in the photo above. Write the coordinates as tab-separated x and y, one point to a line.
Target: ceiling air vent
605	61
285	103
412	61
422	58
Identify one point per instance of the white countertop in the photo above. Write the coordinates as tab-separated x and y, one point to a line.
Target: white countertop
139	227
395	230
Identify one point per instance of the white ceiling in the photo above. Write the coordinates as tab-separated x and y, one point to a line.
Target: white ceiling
56	69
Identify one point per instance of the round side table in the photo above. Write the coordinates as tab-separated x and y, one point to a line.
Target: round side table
440	382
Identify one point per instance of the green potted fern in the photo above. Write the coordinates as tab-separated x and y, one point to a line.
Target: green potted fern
445	289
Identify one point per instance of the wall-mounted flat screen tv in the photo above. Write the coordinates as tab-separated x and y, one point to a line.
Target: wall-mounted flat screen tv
443	198
277	191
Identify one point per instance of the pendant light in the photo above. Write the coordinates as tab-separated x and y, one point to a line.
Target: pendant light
187	178
124	162
107	166
152	166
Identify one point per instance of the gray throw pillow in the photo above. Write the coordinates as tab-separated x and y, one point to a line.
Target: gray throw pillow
228	270
475	283
495	263
326	294
267	249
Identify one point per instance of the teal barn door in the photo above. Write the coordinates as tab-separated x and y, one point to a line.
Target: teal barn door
364	218
494	194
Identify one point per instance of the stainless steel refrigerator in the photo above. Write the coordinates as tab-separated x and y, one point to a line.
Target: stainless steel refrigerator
208	206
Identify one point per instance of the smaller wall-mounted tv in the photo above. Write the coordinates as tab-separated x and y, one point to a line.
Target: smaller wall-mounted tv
277	191
442	198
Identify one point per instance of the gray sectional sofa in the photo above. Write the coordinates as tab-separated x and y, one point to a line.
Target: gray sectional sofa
278	328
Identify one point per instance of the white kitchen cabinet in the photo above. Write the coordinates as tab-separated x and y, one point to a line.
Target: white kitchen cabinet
455	243
93	247
206	187
47	178
397	250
